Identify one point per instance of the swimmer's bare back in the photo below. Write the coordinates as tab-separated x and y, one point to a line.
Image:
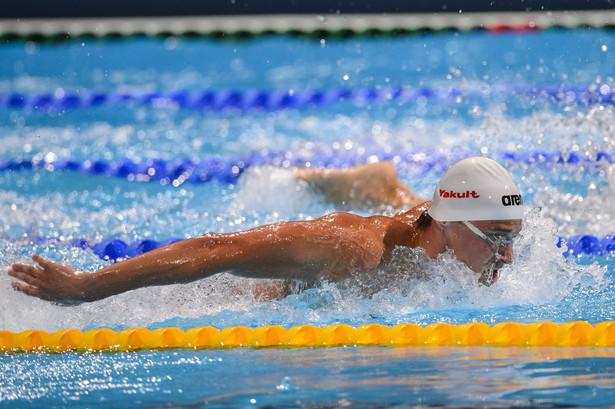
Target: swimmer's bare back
331	248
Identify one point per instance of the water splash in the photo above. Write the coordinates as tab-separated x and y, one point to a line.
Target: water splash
270	194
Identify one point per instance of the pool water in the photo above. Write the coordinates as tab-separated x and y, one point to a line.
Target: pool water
487	116
348	377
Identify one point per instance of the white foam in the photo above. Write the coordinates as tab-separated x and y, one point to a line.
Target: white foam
272	193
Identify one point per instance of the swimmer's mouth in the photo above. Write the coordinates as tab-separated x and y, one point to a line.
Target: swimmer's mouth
489	277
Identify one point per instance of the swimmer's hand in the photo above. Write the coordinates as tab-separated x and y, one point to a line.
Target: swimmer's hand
52	281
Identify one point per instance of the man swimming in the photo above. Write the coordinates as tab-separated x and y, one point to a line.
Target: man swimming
475	213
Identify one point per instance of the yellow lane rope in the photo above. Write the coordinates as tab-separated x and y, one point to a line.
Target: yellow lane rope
504	334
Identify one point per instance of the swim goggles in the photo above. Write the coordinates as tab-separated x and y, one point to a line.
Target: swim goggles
496	241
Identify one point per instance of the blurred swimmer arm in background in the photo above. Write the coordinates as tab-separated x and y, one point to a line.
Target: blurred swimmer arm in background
366	186
327	248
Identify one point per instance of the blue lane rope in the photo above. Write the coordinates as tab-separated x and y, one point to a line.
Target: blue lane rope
587	244
228	170
274	100
116	249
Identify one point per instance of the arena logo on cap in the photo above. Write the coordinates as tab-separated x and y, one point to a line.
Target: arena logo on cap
512	200
458	195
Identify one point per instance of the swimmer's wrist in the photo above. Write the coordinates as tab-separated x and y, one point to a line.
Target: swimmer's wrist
96	285
85	288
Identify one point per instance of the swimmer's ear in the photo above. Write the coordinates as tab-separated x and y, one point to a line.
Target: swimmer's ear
441	225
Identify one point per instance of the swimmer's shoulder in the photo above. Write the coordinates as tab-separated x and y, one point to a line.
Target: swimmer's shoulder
399	225
409	217
403	229
344	219
369	226
413	214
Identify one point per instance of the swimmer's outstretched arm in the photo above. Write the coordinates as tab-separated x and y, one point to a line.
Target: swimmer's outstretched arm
292	250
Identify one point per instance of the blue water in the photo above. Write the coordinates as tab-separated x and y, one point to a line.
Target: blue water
350	377
542	285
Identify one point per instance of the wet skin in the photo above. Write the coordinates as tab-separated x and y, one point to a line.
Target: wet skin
331	248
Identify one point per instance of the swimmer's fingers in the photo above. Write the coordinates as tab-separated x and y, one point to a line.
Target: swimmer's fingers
34	274
46	264
52	281
29	275
25	272
37	292
51	270
30	290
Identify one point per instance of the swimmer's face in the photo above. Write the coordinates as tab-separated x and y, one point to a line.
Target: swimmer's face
480	255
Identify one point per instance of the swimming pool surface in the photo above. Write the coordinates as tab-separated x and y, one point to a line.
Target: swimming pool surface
476	108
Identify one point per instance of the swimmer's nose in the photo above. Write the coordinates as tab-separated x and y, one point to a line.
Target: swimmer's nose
506	254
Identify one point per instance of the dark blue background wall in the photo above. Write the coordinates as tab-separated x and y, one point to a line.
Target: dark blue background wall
132	8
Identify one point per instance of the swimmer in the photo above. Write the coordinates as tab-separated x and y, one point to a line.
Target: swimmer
475	213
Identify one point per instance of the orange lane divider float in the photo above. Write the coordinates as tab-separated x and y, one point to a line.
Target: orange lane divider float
504	334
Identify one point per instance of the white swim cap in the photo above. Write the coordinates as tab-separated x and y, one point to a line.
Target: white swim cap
476	188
